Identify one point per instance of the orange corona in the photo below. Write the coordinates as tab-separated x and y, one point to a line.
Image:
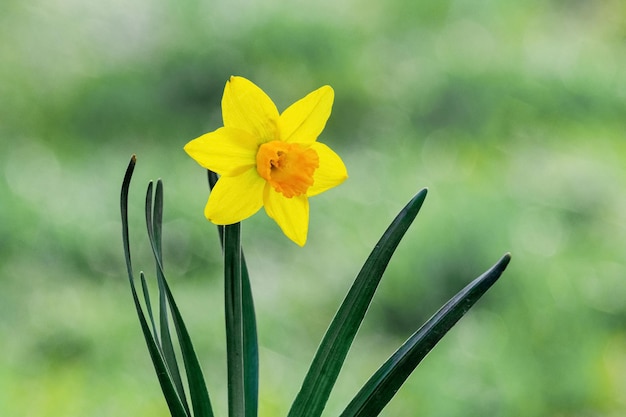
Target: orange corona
288	167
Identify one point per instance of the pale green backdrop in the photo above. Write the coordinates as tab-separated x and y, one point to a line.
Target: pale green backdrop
513	113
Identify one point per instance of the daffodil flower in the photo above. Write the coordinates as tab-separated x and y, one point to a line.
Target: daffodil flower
267	159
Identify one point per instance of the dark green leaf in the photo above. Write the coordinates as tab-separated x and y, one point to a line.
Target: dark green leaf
146	297
154	221
332	352
171	396
384	384
250	345
200	401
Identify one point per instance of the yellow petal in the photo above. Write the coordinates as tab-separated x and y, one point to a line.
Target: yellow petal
305	119
245	106
291	214
331	171
226	151
235	198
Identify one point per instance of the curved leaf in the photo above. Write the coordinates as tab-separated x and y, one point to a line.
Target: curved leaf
200	401
384	384
167	386
324	370
154	220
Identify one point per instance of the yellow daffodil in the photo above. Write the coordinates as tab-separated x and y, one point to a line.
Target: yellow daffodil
268	159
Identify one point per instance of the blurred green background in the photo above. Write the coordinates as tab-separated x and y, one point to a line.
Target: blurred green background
512	113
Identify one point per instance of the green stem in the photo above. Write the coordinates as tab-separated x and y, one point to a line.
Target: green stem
250	342
234	320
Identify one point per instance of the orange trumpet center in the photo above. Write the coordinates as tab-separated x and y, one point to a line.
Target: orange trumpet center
288	167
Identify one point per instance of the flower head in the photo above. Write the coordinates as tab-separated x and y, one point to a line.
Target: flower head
267	159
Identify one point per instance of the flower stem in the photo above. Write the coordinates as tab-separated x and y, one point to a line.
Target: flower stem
234	320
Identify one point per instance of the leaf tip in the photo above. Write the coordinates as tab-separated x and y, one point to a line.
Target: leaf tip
419	198
506	258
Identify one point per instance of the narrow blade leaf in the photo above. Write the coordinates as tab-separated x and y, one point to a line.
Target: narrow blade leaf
200	401
169	392
154	218
384	384
146	298
124	214
334	347
250	345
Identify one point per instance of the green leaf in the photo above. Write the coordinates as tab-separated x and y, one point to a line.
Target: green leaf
250	339
250	345
146	299
171	396
384	384
154	219
200	401
334	347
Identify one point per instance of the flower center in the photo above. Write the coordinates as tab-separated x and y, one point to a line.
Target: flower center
288	167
